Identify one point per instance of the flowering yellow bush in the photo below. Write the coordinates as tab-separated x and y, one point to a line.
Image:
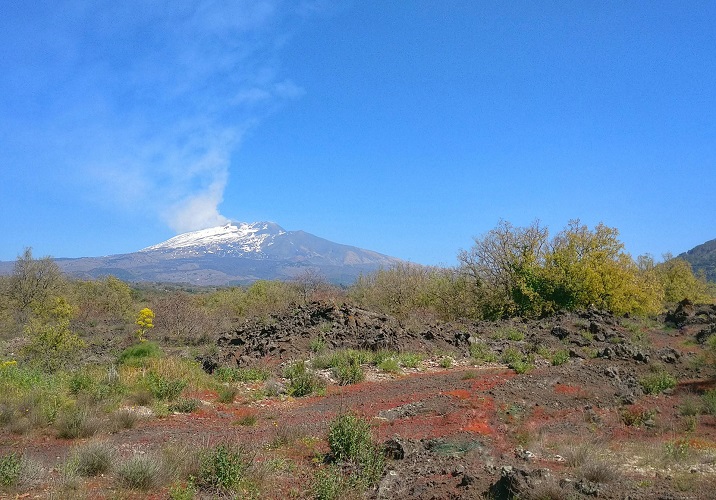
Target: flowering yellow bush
145	321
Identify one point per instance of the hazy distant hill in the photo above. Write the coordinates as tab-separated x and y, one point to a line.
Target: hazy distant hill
235	253
703	258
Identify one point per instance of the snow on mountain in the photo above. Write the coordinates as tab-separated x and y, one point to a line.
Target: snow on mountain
235	253
234	238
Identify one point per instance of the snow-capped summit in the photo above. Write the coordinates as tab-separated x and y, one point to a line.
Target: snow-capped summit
233	238
235	253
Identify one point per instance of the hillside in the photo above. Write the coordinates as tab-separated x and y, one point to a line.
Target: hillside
703	258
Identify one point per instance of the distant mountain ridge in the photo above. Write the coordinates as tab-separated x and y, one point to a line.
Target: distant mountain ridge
703	259
235	253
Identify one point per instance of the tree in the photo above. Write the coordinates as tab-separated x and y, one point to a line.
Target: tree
34	282
679	281
309	281
52	345
590	268
505	269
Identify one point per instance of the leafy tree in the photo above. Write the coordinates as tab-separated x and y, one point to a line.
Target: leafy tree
108	298
505	269
34	282
52	345
679	282
591	268
180	317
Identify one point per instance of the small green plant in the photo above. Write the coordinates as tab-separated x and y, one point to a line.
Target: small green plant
469	375
658	382
410	359
92	459
184	405
560	357
635	416
139	354
481	352
390	365
709	401
317	344
124	419
164	389
227	374
599	471
329	484
222	469
11	466
515	335
183	491
677	450
76	422
247	420
139	472
348	370
302	381
227	394
690	407
511	355
350	439
446	362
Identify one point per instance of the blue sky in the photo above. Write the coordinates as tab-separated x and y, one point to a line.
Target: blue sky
403	127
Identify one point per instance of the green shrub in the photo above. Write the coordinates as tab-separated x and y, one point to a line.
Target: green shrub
182	491
184	405
75	422
124	419
329	484
11	466
560	357
139	472
139	354
317	344
81	382
222	469
635	416
410	359
389	365
514	334
709	401
227	374
656	383
164	389
348	370
92	459
350	439
227	395
302	381
511	355
446	362
481	352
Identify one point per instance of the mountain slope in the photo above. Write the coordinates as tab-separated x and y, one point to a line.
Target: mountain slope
236	253
703	258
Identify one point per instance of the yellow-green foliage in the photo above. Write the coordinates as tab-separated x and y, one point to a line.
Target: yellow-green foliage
52	344
108	298
591	268
260	299
406	288
679	282
519	271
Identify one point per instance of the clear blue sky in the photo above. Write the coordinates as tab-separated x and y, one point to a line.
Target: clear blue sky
405	127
